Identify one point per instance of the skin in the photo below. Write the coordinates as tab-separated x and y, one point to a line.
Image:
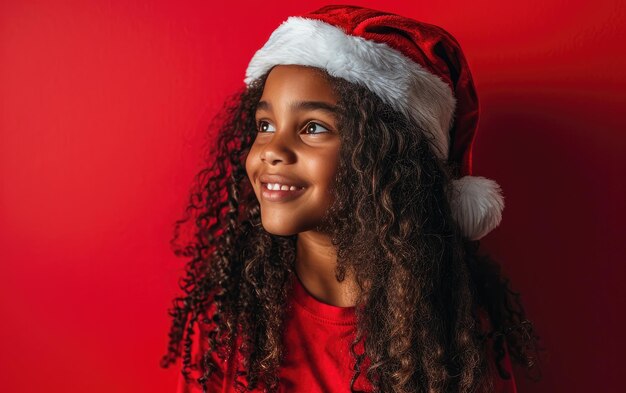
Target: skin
303	144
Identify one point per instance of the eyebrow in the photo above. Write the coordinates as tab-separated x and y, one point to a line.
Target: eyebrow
303	105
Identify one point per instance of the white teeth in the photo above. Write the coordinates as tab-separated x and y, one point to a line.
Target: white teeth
282	187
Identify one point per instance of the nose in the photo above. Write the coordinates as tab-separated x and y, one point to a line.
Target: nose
279	149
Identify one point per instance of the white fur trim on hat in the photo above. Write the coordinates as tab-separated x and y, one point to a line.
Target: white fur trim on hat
396	79
476	204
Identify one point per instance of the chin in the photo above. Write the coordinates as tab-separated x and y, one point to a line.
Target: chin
283	227
277	226
280	230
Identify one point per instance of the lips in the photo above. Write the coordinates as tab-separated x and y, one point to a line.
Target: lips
271	193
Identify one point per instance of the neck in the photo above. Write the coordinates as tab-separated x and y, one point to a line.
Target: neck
316	260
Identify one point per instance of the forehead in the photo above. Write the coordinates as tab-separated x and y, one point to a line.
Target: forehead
297	83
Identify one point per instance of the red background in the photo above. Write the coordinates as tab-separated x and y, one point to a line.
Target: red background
103	108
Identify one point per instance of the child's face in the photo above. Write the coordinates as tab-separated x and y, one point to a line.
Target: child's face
299	143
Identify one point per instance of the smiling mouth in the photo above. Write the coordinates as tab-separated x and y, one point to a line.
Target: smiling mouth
282	187
275	192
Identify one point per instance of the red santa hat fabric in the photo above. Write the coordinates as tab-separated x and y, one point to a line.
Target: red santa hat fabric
417	68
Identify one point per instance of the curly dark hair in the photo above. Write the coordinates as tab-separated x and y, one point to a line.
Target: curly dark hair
421	280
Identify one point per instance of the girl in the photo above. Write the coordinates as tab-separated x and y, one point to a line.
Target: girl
336	230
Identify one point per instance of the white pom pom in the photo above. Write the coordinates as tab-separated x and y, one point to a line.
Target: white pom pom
476	204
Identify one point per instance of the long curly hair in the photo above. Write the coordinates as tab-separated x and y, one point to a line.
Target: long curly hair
421	280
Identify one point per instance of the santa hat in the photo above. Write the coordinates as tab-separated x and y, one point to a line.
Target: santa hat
417	68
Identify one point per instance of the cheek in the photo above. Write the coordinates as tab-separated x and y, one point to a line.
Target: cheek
324	167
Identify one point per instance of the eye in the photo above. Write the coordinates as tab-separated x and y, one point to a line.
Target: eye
263	126
312	128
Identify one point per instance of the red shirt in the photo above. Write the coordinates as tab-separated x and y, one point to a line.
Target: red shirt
317	352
